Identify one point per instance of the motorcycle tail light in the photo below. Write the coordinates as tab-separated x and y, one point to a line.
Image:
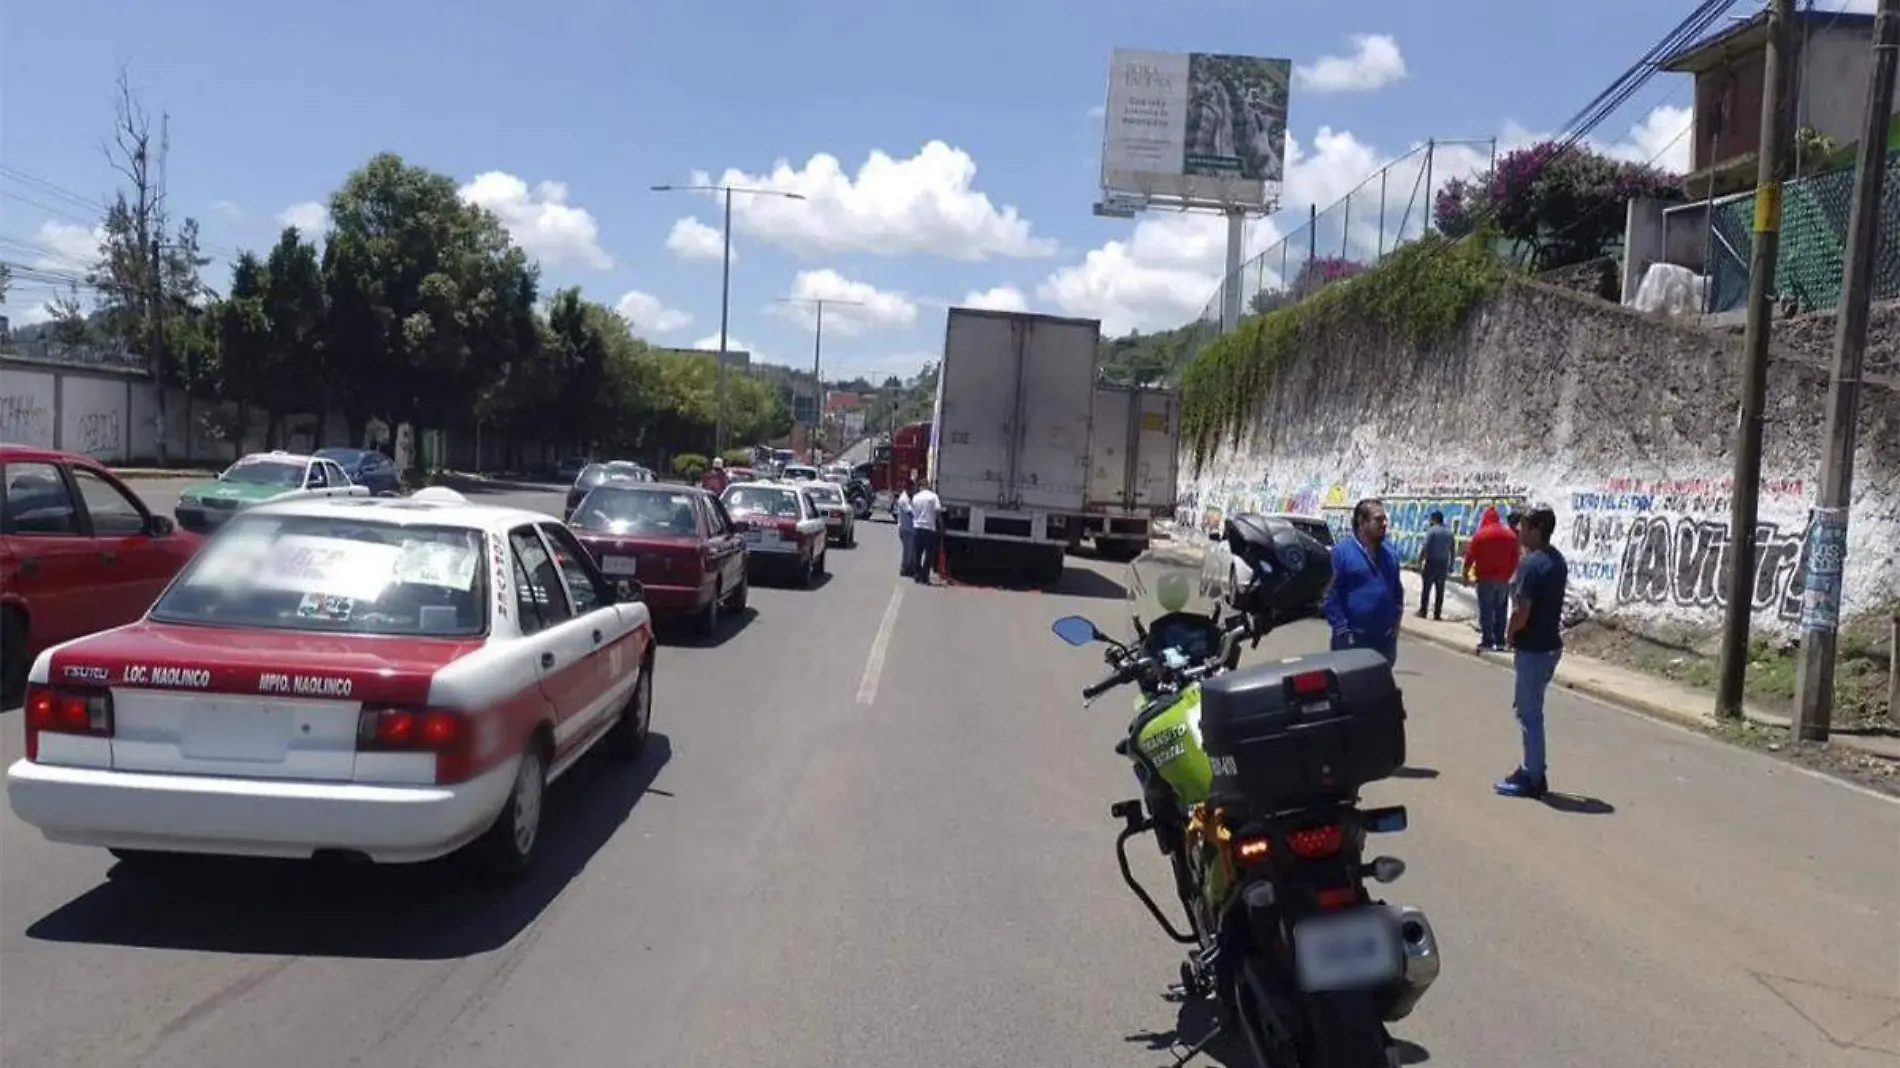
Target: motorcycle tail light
1310	843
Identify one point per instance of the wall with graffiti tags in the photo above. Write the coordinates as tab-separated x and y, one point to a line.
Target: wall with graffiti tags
1620	422
113	414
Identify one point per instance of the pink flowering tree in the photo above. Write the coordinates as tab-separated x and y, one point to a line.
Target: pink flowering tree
1556	205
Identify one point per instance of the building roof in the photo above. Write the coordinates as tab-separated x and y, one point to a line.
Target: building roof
1750	35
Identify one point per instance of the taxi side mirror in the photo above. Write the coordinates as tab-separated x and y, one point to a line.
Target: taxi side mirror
629	591
158	526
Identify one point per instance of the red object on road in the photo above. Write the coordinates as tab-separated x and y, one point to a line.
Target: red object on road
79	552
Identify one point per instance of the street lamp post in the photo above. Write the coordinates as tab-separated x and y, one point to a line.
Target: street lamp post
817	347
725	288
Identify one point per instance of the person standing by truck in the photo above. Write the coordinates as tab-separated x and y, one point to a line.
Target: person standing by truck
906	530
926	518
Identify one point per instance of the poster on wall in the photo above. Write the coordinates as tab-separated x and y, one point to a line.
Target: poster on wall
1195	124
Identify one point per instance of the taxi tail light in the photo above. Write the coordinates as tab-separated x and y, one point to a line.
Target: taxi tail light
448	735
65	710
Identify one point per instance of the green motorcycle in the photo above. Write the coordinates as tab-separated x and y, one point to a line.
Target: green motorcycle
1250	780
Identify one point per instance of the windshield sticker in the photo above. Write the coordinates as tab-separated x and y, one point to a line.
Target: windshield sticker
304	685
166	675
434	563
325	606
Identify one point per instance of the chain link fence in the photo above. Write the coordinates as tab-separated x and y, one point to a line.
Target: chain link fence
1814	213
1359	229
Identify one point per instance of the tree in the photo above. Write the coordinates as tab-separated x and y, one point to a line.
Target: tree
1557	204
295	307
430	301
244	339
147	274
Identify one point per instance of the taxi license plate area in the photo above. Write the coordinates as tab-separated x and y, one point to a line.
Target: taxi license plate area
201	734
621	566
768	541
1349	951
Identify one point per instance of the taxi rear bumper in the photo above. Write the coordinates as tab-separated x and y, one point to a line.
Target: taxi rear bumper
253	817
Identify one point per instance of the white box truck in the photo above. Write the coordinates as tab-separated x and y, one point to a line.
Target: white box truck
1133	458
1009	449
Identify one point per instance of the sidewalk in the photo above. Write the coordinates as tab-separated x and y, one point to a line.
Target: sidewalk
1633	690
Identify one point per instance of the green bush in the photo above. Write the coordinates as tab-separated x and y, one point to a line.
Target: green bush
690	465
1417	298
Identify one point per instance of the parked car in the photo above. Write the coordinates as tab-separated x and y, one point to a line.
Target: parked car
599	474
366	467
260	477
677	540
781	527
841	525
798	473
79	552
394	680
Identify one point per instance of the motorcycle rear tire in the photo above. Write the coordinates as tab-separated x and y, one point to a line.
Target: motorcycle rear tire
1344	1031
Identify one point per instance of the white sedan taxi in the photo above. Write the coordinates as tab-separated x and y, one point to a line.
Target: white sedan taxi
782	527
394	679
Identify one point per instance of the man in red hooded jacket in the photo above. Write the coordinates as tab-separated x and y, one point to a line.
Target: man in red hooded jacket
1491	557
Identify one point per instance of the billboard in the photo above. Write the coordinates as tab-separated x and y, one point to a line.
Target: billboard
1194	127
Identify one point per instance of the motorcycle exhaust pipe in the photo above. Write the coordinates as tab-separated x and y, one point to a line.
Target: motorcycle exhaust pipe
1421	962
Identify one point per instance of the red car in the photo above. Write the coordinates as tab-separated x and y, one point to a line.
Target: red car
79	552
678	541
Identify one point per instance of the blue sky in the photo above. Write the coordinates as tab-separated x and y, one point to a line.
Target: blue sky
975	119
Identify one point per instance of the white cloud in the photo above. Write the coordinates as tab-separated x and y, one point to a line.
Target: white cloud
541	220
870	309
999	298
67	247
227	209
926	204
691	239
1375	63
1167	270
310	217
650	315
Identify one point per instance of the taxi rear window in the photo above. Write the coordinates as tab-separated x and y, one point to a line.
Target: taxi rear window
334	575
769	499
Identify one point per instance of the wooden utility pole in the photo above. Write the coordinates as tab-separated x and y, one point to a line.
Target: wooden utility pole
1827	533
1745	499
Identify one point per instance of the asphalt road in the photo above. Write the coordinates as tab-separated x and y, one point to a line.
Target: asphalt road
873	831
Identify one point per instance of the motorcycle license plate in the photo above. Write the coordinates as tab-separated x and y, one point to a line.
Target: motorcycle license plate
1347	951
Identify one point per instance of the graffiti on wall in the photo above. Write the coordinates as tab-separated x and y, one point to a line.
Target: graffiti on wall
26	419
99	433
1665	543
1462	496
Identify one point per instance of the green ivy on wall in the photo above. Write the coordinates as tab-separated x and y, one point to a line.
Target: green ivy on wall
1419	297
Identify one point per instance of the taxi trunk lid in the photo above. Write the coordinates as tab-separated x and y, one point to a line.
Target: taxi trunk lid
244	703
653	560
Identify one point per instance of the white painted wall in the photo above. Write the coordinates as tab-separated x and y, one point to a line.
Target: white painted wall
28	407
1620	425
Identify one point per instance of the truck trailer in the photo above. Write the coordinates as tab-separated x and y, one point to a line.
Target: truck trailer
1134	443
1010	437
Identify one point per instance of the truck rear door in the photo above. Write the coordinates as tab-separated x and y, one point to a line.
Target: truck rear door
1157	447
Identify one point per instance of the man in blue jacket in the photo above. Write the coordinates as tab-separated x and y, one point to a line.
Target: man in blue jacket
1365	600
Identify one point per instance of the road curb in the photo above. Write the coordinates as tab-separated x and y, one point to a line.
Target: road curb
1653	709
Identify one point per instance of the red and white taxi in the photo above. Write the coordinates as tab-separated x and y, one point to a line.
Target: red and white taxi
395	679
782	528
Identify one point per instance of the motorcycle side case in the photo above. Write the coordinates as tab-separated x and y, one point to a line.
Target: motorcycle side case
1271	748
1172	742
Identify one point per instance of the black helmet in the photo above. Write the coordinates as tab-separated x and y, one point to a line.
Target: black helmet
1290	569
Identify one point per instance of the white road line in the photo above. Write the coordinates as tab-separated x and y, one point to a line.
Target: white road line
874	664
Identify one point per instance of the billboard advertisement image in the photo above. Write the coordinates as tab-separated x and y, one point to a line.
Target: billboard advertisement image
1195	126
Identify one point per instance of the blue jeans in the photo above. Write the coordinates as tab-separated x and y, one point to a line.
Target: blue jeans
1494	612
1385	645
1534	672
907	563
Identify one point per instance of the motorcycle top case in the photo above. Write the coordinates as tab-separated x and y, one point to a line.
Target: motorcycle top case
1300	731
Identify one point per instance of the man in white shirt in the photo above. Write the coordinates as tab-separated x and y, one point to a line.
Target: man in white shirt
926	513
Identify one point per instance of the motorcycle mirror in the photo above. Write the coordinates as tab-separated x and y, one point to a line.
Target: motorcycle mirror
1076	630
